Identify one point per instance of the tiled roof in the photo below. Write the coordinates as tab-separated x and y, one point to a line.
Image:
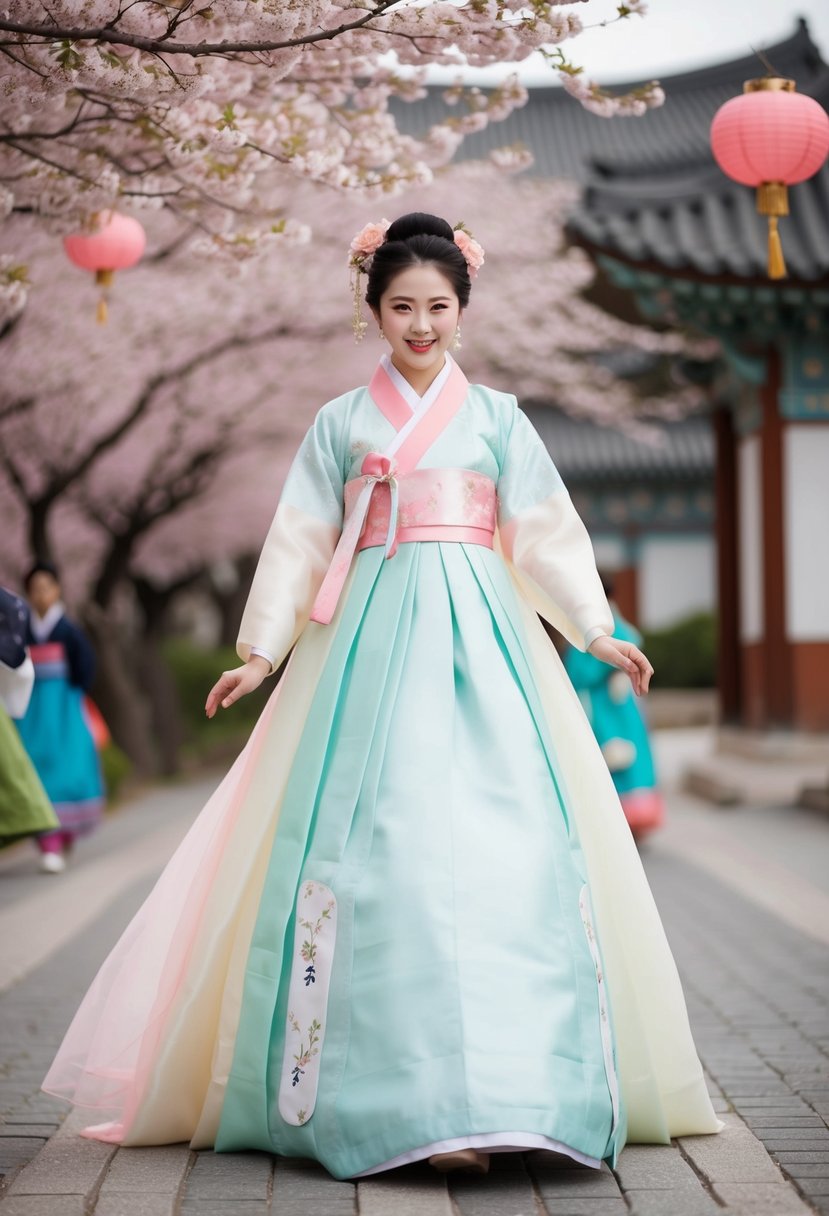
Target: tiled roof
696	220
653	193
584	451
567	141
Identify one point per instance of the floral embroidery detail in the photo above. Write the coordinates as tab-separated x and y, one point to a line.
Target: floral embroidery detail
314	938
308	949
305	1053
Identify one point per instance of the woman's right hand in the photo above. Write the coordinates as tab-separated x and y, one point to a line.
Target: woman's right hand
237	683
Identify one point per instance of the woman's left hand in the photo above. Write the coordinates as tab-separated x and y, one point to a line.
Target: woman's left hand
627	658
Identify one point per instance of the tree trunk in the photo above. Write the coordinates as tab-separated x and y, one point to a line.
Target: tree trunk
156	677
161	692
39	543
118	696
231	601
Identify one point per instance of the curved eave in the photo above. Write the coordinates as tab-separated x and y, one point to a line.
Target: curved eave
660	269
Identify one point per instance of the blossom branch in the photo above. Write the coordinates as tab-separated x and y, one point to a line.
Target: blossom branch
47	34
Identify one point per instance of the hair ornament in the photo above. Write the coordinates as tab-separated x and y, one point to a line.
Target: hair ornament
469	247
369	239
360	252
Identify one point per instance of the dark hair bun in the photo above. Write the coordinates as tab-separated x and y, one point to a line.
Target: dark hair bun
418	239
419	223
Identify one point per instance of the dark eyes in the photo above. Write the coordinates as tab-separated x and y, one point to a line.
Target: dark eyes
435	307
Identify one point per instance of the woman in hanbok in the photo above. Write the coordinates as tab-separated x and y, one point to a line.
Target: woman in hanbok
411	923
25	809
619	726
55	729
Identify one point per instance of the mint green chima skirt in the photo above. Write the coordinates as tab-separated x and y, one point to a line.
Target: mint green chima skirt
424	965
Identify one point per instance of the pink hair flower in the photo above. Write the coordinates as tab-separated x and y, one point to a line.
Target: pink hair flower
471	250
368	240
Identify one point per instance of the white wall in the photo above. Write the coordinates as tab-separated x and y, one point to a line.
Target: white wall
806	530
750	508
677	576
611	552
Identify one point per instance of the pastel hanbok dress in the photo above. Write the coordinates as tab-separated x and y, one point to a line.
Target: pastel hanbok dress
620	730
412	917
55	729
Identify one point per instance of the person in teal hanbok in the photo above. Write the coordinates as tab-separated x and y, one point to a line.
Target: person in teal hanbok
619	726
411	923
55	729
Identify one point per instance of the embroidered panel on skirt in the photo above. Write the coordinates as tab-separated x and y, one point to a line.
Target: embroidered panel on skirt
313	956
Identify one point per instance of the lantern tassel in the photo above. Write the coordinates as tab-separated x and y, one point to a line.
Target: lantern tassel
104	280
777	264
773	201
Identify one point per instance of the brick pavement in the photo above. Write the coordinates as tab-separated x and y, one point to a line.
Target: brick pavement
757	989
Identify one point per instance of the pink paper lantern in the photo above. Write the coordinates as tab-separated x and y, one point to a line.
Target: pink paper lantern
771	137
115	243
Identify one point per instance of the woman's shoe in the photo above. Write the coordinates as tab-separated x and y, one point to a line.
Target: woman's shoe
467	1160
52	863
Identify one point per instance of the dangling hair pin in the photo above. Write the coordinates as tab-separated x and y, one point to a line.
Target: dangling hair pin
369	239
360	252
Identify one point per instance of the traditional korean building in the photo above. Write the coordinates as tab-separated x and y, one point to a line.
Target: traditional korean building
666	226
648	503
676	242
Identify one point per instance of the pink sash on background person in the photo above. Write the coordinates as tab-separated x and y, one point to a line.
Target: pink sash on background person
386	469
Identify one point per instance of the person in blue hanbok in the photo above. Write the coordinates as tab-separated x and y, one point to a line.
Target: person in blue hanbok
55	729
411	923
619	726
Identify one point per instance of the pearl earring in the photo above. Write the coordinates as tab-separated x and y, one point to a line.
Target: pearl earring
380	334
456	341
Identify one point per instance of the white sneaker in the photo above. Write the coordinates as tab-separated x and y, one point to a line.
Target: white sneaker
52	863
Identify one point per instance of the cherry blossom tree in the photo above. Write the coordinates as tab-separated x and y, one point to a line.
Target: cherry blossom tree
143	452
209	109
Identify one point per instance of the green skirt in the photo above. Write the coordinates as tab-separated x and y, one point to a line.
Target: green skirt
25	809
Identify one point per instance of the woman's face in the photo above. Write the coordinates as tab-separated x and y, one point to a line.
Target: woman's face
43	591
419	314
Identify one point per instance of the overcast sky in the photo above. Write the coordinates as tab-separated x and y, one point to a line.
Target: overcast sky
680	34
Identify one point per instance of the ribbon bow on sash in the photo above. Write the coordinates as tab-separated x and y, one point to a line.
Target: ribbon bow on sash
376	470
380	468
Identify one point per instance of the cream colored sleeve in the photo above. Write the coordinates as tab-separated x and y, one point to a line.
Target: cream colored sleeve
297	553
299	545
544	538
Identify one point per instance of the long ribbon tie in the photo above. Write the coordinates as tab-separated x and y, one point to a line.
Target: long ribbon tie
375	470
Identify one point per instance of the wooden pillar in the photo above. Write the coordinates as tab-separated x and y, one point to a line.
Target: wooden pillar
626	592
728	601
777	658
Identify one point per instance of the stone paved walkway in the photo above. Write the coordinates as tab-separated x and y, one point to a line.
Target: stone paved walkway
758	993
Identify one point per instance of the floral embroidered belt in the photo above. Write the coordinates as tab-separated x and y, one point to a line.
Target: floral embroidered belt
385	507
432	505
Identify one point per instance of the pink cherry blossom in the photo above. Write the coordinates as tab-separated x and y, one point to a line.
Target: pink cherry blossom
183	413
369	239
471	250
213	111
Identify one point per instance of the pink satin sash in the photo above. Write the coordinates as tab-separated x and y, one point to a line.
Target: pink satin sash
433	504
382	475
